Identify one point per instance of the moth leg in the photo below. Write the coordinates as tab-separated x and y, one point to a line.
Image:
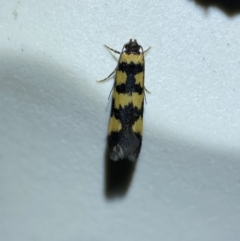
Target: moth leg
145	89
111	91
107	77
145	51
149	92
145	97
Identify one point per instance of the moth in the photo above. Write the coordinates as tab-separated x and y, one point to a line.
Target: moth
126	118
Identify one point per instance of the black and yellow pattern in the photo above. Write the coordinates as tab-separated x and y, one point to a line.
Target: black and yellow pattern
126	119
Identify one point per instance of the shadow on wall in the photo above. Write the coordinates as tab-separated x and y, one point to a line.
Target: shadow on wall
230	7
47	96
118	176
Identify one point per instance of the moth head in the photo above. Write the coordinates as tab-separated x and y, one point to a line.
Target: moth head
132	47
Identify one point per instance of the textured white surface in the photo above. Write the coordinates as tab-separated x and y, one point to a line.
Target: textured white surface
53	122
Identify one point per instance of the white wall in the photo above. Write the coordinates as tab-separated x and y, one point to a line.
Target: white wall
54	116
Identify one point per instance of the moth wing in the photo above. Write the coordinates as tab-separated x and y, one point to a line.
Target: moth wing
128	146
